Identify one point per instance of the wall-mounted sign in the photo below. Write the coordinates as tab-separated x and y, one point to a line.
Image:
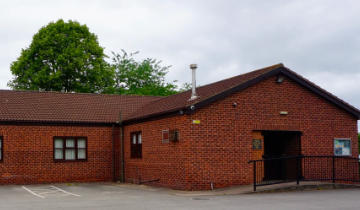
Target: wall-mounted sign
284	112
256	144
342	147
196	121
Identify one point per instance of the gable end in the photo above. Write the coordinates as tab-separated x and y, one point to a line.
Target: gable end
292	75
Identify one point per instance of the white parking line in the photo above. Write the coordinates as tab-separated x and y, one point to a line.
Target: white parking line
66	192
40	196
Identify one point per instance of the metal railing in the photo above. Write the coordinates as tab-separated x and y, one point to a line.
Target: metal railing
270	171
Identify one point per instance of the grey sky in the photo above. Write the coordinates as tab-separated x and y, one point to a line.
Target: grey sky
318	39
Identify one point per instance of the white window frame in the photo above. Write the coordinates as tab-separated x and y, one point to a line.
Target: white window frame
75	147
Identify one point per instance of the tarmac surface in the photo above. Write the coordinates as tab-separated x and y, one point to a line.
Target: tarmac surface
125	196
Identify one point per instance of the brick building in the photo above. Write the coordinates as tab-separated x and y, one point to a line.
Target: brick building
172	141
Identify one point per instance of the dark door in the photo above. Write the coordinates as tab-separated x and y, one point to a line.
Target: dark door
277	147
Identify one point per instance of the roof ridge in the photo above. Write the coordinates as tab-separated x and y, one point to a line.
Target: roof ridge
217	90
34	106
76	93
272	67
275	66
201	98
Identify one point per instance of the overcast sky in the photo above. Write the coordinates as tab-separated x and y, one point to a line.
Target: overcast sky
318	39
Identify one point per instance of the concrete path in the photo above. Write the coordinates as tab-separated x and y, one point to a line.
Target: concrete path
247	189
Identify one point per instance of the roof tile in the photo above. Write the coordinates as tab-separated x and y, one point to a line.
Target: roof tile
68	107
33	106
181	100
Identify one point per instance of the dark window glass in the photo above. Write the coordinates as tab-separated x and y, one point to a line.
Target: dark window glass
165	135
136	145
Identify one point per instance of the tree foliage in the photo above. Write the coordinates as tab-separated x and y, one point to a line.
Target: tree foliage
66	56
62	56
145	77
185	86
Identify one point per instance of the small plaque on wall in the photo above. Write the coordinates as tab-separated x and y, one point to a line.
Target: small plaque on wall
256	144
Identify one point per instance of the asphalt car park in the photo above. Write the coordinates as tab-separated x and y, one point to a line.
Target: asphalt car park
117	196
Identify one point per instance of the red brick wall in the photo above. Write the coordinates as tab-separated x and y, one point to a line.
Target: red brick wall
217	150
165	161
28	155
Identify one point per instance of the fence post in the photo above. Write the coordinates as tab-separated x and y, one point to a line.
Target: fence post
297	170
333	169
254	175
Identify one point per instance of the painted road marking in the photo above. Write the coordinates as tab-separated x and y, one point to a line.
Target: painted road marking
33	193
46	191
66	192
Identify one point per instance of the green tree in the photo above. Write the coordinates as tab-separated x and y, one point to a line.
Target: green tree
185	86
145	77
62	56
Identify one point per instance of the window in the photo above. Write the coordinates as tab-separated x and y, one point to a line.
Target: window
70	148
136	145
1	148
342	147
165	136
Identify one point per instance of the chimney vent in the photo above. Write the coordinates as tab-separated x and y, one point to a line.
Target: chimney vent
193	68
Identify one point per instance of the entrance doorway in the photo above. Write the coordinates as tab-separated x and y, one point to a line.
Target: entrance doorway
280	144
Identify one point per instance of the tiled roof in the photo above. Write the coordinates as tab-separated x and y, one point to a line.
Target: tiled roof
215	91
181	100
33	106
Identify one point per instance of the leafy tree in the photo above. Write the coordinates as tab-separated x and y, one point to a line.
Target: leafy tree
63	56
185	86
145	77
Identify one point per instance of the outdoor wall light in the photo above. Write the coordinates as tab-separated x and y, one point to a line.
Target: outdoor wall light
280	79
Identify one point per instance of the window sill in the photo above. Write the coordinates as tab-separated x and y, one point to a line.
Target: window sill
69	161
